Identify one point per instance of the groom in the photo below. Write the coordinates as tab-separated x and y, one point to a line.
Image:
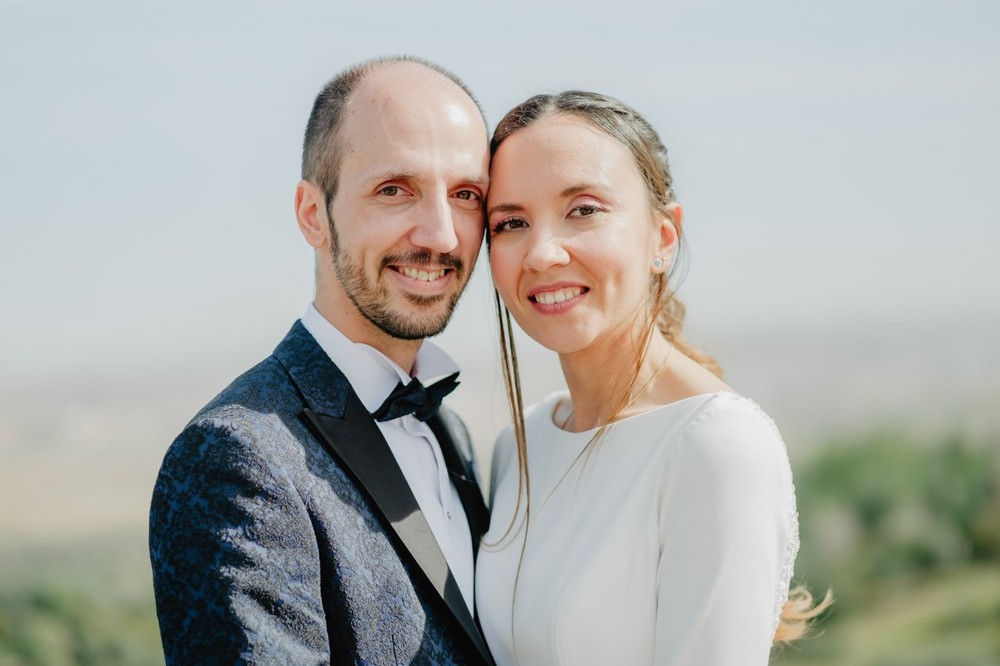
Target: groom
322	508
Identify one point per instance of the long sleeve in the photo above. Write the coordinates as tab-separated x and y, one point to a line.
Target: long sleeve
728	532
236	568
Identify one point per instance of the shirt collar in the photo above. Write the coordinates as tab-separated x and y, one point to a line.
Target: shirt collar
371	373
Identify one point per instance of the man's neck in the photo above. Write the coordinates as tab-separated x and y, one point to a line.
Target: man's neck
356	328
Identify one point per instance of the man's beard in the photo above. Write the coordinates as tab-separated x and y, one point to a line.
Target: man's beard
373	300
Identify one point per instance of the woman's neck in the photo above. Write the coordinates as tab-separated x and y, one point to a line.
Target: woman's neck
599	375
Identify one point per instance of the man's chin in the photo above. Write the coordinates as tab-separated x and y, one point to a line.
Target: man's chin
415	323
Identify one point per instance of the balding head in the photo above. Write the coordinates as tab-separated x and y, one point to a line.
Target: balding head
400	80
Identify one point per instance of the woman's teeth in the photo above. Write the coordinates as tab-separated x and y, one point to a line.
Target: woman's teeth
551	297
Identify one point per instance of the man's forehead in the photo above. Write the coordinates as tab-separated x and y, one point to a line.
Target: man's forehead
408	122
414	127
376	164
407	83
405	90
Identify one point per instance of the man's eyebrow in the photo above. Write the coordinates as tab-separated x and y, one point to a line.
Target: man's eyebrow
504	208
391	175
380	176
478	181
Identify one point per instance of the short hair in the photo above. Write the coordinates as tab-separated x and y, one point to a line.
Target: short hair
322	150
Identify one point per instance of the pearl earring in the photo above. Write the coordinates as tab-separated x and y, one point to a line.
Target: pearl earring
657	264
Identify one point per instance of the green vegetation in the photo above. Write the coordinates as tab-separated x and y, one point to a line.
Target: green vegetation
55	626
906	533
78	603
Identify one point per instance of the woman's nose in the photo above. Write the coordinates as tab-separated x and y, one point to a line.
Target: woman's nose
545	251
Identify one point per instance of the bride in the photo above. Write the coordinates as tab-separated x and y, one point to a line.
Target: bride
648	515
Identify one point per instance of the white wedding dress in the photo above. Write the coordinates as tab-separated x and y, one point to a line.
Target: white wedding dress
671	542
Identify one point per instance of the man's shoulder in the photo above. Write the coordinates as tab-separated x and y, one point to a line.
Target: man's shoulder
264	389
254	410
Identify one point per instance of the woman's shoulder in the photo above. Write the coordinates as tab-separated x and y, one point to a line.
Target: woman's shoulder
723	409
705	411
726	430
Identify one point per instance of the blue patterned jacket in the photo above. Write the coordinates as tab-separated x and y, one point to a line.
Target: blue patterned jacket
282	531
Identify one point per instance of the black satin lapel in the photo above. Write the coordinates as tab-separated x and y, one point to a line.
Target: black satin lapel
464	480
357	442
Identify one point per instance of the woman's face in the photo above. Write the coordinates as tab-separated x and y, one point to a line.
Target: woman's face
572	234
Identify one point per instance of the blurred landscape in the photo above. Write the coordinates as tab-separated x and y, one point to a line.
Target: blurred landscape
896	465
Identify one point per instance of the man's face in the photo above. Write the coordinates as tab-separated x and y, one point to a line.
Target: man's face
406	220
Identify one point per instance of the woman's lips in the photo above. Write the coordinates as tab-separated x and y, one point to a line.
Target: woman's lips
556	298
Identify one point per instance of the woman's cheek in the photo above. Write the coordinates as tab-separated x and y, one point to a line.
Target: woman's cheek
504	269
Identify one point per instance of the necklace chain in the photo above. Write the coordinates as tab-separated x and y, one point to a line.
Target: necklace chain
631	400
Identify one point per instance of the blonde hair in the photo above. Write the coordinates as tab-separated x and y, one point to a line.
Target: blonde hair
666	312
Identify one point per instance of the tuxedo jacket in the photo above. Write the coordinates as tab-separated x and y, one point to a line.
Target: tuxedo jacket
282	530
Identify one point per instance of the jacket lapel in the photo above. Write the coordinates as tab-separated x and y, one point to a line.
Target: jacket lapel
339	420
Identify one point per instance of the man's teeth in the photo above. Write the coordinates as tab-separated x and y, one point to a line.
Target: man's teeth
550	297
421	275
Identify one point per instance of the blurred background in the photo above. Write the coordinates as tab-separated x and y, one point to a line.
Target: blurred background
837	163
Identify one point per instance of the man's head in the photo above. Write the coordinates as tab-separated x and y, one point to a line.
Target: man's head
321	152
394	172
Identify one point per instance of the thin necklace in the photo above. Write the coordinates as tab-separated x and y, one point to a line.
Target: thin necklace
635	395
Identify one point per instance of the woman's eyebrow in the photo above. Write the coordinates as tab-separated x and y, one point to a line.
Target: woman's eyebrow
504	208
576	189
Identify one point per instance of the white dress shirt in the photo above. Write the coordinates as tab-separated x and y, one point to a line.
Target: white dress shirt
373	376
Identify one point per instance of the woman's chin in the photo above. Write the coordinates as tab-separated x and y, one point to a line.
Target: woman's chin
559	341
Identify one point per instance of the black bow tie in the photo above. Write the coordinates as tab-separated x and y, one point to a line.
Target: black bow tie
415	398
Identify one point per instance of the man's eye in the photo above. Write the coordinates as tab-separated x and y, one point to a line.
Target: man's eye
389	190
467	195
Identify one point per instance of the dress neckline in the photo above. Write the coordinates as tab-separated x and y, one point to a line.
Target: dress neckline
557	397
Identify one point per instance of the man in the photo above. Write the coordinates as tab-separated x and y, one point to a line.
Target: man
322	509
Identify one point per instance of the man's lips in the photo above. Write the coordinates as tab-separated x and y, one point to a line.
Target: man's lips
423	273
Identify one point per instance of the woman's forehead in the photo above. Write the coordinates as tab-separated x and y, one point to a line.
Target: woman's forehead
564	151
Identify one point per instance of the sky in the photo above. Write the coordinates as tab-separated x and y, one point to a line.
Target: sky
837	161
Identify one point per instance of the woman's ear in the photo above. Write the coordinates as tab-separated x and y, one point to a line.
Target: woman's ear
669	233
310	212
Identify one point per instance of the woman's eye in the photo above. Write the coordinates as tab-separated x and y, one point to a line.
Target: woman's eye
508	224
584	211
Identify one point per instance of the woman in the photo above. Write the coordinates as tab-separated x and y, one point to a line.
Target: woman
647	516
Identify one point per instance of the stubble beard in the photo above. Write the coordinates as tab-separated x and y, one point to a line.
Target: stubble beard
374	302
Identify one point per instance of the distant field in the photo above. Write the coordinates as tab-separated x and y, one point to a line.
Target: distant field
950	619
80	602
91	603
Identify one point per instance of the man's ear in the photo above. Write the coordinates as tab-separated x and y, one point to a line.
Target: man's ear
669	229
310	212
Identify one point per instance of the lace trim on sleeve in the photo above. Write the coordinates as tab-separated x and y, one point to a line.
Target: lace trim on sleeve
792	542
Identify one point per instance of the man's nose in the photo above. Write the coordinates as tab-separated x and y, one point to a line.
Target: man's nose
435	227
